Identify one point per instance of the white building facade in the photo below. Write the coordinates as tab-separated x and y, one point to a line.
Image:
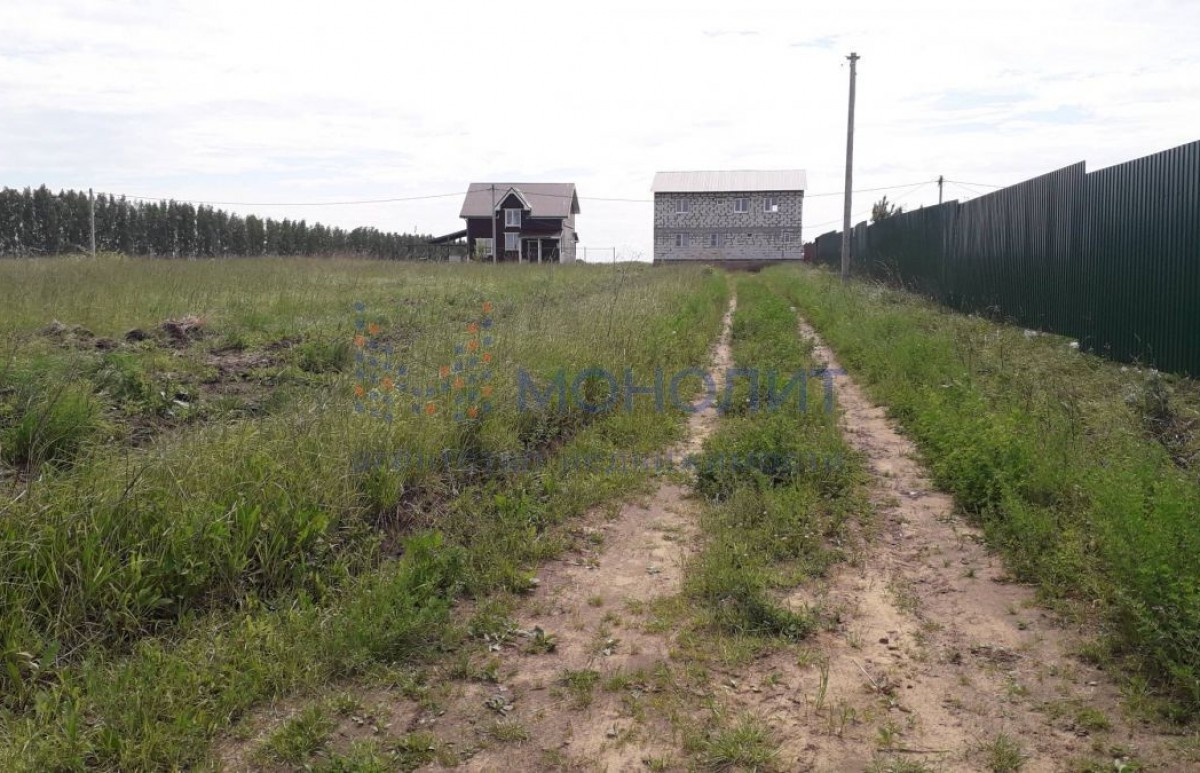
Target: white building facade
728	216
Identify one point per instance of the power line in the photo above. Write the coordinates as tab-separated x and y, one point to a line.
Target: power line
981	185
913	188
866	190
974	193
400	199
288	203
906	194
838	220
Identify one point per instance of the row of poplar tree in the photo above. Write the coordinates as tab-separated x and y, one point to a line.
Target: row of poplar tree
38	222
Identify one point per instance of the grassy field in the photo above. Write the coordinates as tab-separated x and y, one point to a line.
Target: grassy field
1082	471
228	482
777	489
197	517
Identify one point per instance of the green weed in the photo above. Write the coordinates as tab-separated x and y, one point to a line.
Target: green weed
1077	468
1002	754
744	744
580	685
155	593
300	736
50	427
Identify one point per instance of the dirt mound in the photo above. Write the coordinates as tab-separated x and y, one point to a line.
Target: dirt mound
66	334
58	329
184	330
234	365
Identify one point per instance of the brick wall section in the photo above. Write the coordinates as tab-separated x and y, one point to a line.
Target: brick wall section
753	235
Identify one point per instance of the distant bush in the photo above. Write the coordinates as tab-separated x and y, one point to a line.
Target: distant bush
38	222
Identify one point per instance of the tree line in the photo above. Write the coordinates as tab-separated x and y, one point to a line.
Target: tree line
38	222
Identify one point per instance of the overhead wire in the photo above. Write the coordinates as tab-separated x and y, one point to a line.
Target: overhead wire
974	193
908	189
400	199
913	188
286	203
980	185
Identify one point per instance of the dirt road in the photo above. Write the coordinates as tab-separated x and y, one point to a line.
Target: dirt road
933	660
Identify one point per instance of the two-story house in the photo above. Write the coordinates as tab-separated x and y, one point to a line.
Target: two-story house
728	217
531	222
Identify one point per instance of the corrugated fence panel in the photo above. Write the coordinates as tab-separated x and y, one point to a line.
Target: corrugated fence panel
1111	258
1012	249
1142	243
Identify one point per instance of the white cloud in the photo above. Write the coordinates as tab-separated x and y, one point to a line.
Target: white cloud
274	101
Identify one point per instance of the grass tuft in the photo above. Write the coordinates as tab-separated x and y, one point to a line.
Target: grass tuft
299	737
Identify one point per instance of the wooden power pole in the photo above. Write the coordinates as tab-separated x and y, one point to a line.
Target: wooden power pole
493	223
849	172
92	220
941	181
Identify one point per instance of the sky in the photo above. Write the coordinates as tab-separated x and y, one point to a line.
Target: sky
284	107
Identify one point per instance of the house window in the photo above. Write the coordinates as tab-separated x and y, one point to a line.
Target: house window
683	206
512	218
681	240
786	237
483	247
741	205
714	240
771	204
512	242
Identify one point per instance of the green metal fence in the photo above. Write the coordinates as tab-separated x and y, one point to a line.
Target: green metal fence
1110	257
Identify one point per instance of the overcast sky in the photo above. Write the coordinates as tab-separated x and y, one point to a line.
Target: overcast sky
242	101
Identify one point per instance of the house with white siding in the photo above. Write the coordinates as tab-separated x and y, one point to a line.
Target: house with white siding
729	217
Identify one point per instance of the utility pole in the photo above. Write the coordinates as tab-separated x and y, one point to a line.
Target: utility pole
849	172
92	219
941	180
493	222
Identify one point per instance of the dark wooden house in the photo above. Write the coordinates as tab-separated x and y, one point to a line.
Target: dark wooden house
531	222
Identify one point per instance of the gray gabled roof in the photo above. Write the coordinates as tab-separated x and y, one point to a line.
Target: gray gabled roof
545	199
738	181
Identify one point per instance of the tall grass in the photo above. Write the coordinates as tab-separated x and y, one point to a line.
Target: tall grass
230	560
780	481
1049	450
